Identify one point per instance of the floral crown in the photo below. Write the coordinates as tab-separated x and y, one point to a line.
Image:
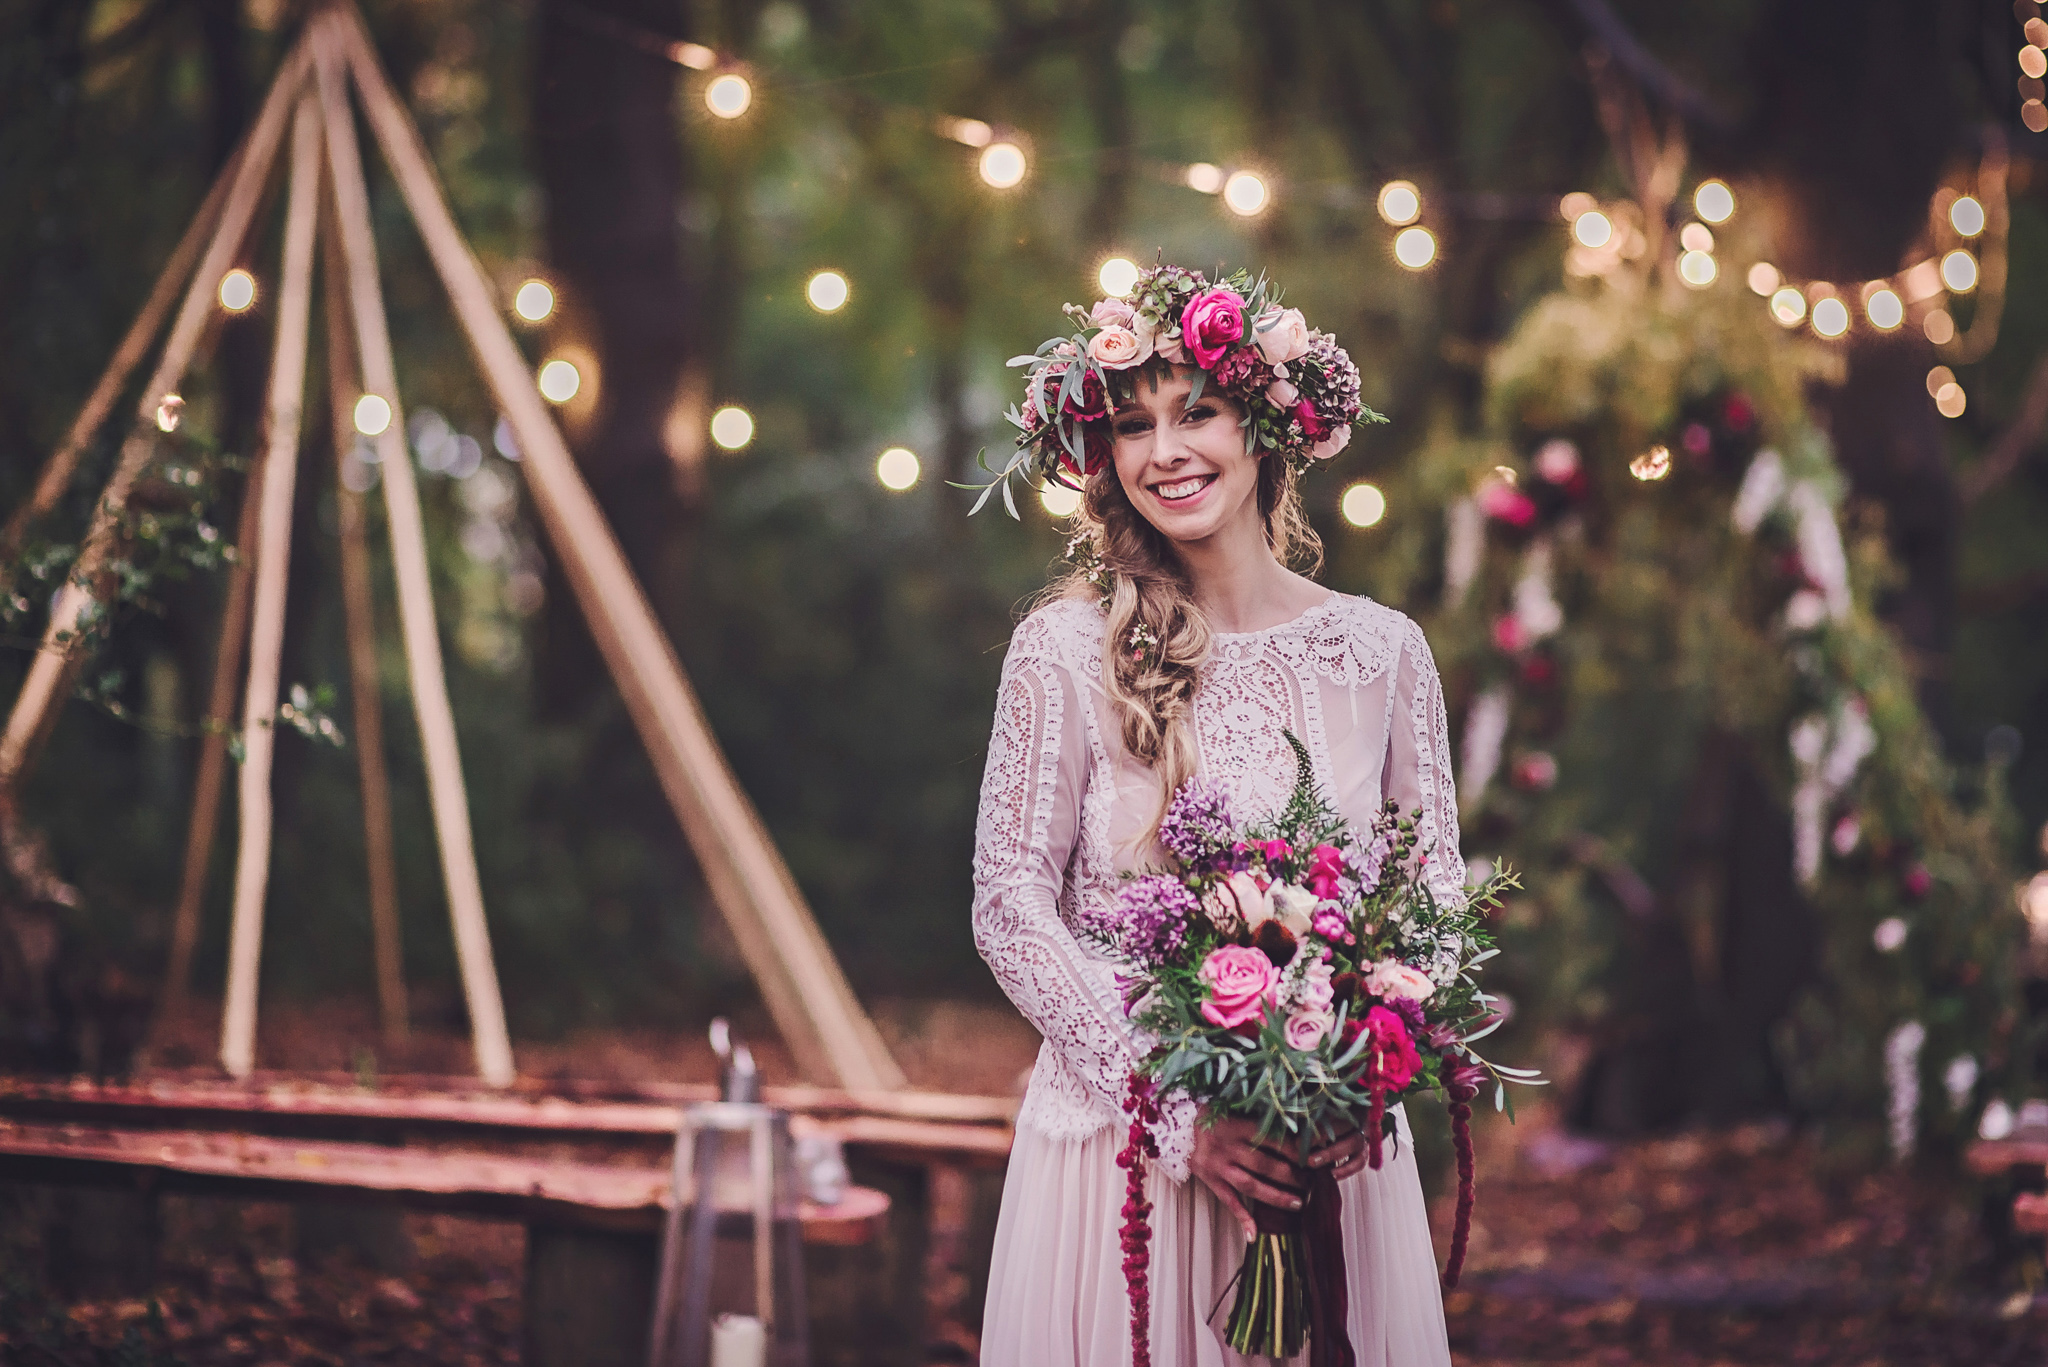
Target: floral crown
1298	388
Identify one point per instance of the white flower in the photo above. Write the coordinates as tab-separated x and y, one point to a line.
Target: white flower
1243	901
1282	335
1390	979
1116	347
1296	907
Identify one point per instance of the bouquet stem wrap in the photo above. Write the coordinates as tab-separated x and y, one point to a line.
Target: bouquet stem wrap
1292	1283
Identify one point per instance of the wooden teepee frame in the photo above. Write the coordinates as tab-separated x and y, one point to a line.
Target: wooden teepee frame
814	1008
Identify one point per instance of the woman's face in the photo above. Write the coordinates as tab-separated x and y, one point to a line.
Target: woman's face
1184	467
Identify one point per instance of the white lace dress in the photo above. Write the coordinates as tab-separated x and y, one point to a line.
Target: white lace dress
1061	807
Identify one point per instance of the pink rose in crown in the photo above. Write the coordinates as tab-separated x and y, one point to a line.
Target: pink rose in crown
1390	1056
1283	335
1117	311
1212	323
1240	980
1312	425
1115	347
1332	444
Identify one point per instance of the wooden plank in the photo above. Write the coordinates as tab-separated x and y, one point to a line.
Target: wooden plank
61	654
273	570
492	1185
806	992
445	794
359	617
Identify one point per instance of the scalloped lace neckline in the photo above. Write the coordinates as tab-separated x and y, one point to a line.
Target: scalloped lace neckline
1299	620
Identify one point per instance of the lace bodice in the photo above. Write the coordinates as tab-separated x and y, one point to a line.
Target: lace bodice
1063	807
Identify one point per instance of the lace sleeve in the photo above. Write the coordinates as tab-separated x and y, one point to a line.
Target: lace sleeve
1418	772
1025	834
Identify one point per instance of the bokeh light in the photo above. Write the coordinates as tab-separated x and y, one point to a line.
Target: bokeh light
1714	201
1950	401
1959	271
1939	327
1117	276
237	290
728	96
1654	463
1245	194
1364	505
1764	278
1788	306
1937	377
170	410
1697	269
1884	309
827	291
1400	203
2033	61
1696	237
1415	248
534	301
1593	229
897	468
1966	216
1830	317
732	427
1058	500
1002	165
372	415
1205	177
559	380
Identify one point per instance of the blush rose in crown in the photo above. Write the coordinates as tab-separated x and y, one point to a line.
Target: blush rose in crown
1297	975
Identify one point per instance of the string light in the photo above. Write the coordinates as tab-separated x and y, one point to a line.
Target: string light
1939	327
732	427
1058	500
1884	309
1764	278
1245	194
897	468
1959	271
1400	203
1364	505
1593	229
1966	216
728	96
1654	463
1714	202
170	409
1696	237
1117	276
1788	306
559	380
1205	178
1830	316
1415	248
826	291
1696	268
534	301
372	415
237	290
1002	165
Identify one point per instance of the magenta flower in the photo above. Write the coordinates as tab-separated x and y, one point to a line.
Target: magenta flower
1212	323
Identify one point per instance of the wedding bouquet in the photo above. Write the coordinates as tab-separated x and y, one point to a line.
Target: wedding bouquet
1295	978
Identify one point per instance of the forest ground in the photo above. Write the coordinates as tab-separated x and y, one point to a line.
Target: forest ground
1705	1248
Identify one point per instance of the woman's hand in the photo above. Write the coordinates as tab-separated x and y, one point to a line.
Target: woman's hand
1239	1170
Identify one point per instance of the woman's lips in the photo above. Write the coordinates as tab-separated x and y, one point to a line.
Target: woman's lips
1180	492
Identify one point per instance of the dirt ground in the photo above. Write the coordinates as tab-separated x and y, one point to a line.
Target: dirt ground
1747	1245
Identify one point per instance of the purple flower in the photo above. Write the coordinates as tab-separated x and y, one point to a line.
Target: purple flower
1155	911
1409	1011
1197	824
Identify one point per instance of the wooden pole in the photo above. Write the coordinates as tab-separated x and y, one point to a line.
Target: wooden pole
359	610
812	1003
62	653
409	558
63	462
273	570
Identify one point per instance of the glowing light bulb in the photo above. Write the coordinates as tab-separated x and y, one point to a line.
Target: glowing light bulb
1830	317
1939	327
1764	278
827	291
1959	271
728	96
1245	194
1002	165
1714	201
1950	401
1696	237
1117	276
559	380
732	427
534	301
1654	463
1206	178
1364	505
1593	229
1788	306
1884	309
1966	216
372	415
1697	269
1415	248
1400	203
237	290
897	468
1058	500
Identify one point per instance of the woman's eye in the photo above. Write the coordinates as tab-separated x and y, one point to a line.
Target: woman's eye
1201	412
1131	427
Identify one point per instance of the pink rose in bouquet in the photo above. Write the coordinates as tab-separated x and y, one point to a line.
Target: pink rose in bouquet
1391	980
1305	1029
1212	323
1240	980
1326	866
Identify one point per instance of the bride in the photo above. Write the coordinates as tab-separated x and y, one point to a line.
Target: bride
1183	642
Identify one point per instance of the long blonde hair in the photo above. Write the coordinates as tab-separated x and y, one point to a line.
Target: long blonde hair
1154	694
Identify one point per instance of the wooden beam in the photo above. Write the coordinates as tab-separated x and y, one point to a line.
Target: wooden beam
813	1006
360	616
409	558
55	668
56	473
273	571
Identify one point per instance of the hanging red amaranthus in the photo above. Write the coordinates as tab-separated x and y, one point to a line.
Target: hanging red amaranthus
1462	1085
1142	1105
